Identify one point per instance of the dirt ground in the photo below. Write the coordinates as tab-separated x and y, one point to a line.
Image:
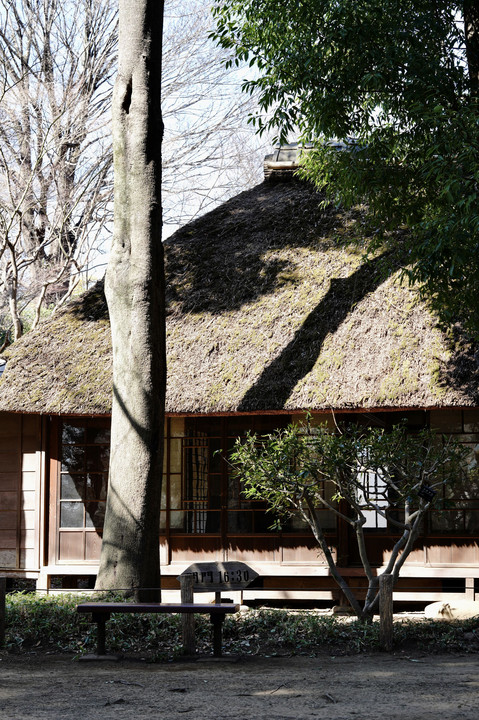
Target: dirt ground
363	687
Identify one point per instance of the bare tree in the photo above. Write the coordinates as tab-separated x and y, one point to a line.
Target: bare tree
135	293
56	59
210	152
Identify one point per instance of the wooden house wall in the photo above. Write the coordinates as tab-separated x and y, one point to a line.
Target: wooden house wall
288	560
446	549
443	550
436	549
10	471
21	462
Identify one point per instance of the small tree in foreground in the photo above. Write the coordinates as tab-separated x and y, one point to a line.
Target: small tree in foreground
353	473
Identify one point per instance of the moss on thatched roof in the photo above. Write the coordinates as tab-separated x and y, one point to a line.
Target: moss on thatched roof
270	307
65	365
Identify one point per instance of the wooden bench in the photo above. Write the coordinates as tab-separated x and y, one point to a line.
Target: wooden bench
201	577
101	612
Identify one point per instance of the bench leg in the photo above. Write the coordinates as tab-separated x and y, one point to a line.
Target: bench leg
100	619
188	634
188	620
217	621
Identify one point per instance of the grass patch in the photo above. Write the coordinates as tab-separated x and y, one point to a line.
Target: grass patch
37	623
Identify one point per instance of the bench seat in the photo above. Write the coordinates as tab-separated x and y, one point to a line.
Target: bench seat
101	611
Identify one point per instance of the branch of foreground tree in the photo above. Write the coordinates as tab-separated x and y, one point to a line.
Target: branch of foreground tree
378	475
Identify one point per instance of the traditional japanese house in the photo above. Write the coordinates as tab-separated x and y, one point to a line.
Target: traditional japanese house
272	311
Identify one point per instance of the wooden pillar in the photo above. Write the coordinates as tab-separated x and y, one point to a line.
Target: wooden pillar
386	612
188	619
3	587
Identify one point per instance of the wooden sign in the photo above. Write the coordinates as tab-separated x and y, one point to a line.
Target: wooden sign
218	576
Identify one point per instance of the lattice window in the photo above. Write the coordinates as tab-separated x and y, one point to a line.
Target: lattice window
373	490
195	478
456	510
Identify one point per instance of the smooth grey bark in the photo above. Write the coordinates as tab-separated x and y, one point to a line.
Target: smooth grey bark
135	293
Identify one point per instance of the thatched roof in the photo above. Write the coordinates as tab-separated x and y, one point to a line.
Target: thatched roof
270	307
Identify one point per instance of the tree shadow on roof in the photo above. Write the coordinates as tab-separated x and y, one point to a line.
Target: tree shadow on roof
297	359
461	371
228	257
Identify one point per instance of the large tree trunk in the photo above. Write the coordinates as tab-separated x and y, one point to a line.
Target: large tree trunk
135	293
